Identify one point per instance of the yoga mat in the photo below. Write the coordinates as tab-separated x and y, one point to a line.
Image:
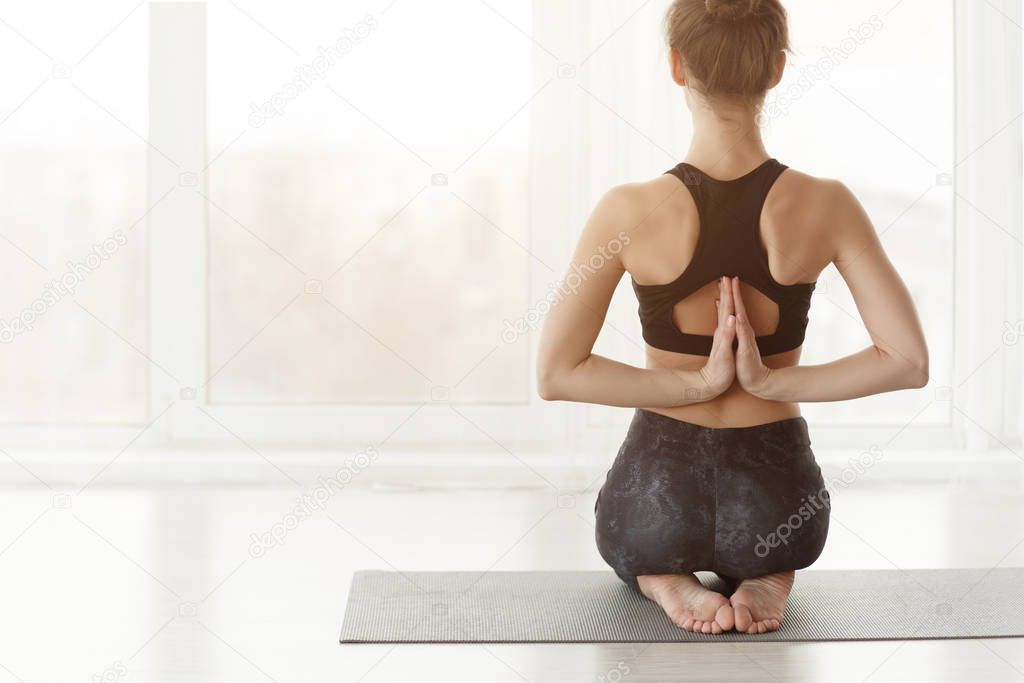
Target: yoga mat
596	607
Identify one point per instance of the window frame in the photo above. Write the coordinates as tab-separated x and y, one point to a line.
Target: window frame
179	268
988	185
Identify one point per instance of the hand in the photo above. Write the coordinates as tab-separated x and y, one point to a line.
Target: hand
750	370
720	370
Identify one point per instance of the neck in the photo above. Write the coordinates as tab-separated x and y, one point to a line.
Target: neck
726	140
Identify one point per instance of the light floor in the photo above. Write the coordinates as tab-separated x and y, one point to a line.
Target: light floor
161	583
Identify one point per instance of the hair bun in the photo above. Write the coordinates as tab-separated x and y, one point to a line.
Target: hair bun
731	10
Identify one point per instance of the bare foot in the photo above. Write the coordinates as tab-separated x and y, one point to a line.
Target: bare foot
759	604
687	603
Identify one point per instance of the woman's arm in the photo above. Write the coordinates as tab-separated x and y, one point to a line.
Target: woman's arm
568	370
898	356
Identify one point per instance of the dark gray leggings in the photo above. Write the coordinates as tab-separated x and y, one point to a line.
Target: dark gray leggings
741	502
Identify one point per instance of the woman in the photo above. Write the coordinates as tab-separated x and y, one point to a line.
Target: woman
716	472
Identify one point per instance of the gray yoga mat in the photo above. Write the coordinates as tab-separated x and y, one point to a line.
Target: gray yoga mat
595	607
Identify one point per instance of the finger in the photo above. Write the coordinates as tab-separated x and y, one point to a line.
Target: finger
727	303
719	307
729	330
726	332
747	343
744	331
737	300
742	327
721	344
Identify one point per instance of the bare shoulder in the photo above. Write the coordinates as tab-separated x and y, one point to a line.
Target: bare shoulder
826	206
796	189
805	217
622	218
636	203
658	218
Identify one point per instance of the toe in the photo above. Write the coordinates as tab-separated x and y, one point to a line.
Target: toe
715	628
706	628
744	620
686	624
725	618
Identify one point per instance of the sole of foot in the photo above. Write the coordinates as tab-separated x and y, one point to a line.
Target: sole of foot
759	605
688	604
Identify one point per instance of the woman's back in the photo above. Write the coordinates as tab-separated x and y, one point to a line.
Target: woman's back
671	241
716	450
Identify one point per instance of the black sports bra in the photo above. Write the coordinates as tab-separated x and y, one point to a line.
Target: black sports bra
728	243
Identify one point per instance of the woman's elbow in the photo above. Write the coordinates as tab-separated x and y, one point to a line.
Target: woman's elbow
549	384
556	381
916	374
907	369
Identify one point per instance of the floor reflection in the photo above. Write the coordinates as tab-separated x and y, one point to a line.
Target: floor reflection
168	584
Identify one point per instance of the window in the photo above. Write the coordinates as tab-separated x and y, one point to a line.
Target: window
882	121
73	120
345	220
368	215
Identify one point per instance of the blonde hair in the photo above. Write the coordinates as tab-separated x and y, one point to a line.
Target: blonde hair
729	47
